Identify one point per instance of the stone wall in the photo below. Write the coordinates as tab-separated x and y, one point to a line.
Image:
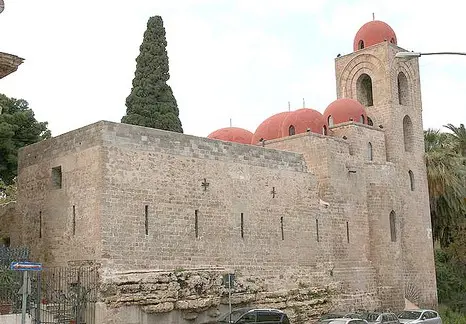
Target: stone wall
199	296
61	221
394	103
10	224
165	171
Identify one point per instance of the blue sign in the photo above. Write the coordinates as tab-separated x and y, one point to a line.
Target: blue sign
26	266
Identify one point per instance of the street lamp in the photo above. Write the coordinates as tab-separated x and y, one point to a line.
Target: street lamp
409	55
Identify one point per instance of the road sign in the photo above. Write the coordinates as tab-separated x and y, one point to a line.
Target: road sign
26	266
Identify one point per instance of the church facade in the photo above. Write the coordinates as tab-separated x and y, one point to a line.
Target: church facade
312	212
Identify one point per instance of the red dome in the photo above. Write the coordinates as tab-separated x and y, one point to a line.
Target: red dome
301	120
344	110
232	134
373	32
271	128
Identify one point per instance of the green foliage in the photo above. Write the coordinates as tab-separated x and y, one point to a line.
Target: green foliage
18	128
446	178
7	192
451	281
449	316
151	102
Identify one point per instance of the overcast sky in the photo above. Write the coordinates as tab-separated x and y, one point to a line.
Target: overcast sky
239	59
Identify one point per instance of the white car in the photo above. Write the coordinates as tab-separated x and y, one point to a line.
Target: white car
420	316
347	321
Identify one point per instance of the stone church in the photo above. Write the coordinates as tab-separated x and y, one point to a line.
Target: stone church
312	212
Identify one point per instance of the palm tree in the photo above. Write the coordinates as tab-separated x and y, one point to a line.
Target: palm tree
459	134
445	177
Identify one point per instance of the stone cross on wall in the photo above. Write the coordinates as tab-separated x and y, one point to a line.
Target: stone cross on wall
205	184
273	192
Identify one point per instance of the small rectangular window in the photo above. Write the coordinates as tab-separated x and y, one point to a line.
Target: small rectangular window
146	219
242	225
56	177
196	223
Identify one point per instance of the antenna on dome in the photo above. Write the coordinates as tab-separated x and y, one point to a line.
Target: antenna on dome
2	6
373	16
304	103
230	122
289	106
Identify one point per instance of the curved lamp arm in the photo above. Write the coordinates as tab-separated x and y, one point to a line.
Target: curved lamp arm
418	54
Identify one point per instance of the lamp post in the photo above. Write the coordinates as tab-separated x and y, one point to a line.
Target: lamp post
409	55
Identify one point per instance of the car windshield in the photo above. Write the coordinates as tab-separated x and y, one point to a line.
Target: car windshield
235	315
370	316
331	315
409	315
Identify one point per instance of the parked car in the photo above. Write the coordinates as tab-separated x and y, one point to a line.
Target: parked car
380	318
255	315
348	321
420	316
327	318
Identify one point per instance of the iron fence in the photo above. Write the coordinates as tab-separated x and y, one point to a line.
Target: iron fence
56	295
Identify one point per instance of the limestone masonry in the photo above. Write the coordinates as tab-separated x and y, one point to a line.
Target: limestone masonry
329	212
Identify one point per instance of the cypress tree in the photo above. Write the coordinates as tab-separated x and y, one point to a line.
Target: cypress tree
151	102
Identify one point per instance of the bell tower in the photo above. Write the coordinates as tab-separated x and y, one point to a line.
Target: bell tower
389	88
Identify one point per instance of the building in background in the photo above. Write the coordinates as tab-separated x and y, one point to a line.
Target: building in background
311	212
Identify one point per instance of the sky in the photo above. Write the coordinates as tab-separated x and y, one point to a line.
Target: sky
238	59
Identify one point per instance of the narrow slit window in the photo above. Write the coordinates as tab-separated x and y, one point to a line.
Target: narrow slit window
317	230
146	219
347	232
408	134
411	179
281	227
393	226
74	220
361	44
196	223
369	151
242	225
40	224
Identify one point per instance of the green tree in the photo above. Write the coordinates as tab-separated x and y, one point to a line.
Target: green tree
151	102
459	136
445	177
18	128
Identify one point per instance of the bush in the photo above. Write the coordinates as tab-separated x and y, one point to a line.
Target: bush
451	283
449	316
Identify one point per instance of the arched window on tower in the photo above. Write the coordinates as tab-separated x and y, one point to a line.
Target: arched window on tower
393	226
330	121
411	179
408	135
324	130
291	130
403	89
361	119
364	90
361	44
370	122
369	151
